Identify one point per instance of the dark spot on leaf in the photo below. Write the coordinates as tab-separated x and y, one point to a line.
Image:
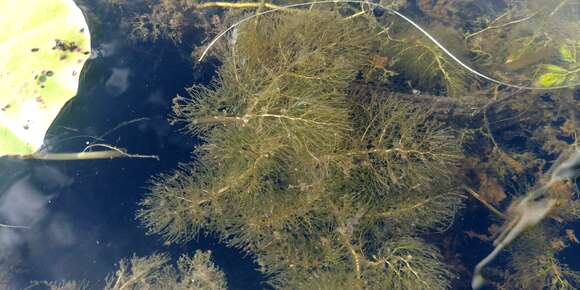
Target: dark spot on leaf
35	49
49	73
5	108
64	45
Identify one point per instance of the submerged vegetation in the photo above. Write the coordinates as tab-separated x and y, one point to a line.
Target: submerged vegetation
337	143
311	179
155	273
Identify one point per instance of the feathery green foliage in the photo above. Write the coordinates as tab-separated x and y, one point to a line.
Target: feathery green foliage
153	272
408	263
535	266
60	285
422	62
313	181
169	194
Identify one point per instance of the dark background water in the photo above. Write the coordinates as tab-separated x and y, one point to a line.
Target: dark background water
82	213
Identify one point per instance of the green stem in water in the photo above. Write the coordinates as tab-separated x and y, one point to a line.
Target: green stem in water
114	152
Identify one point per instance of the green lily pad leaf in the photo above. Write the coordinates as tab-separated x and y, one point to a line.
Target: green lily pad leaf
43	47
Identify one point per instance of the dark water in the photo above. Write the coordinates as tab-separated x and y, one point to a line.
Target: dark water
82	213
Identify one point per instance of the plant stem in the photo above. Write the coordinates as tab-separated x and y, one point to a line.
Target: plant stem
239	5
114	152
489	206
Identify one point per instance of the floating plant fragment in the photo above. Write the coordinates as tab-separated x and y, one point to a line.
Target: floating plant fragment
43	47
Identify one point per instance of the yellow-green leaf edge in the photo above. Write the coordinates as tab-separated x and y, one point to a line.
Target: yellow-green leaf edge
37	75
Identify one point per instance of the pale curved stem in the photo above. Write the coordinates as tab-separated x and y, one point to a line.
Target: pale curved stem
240	5
485	203
113	152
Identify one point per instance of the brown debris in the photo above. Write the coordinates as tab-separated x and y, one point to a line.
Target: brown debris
472	234
558	244
571	236
494	229
490	189
65	45
568	128
380	61
561	188
512	163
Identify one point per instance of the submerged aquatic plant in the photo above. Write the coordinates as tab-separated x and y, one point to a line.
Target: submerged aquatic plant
406	19
313	179
534	263
418	59
155	272
529	34
327	186
316	182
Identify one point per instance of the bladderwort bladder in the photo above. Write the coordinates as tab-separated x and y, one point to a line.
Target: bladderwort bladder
400	15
